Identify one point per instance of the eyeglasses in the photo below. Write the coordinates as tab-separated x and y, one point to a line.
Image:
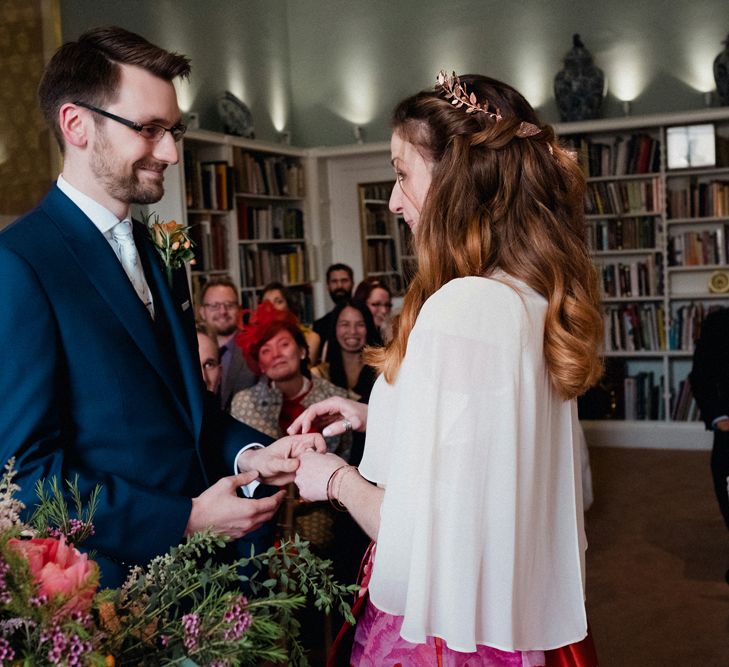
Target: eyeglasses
150	131
218	305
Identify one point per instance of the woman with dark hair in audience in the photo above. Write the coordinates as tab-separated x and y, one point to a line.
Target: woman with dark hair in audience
354	329
378	297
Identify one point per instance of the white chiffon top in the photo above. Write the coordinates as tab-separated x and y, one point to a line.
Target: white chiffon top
481	538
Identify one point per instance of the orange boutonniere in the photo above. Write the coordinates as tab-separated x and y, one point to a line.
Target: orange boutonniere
172	241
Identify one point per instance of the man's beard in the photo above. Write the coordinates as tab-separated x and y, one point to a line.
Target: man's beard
339	295
126	188
226	329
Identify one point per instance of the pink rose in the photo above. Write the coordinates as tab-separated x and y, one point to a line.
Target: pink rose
60	571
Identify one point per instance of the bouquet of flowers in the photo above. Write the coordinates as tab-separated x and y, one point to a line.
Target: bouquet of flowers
183	609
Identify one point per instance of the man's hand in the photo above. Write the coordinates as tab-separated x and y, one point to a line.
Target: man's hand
222	511
332	416
277	463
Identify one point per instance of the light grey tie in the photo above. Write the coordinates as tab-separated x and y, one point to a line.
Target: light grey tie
129	258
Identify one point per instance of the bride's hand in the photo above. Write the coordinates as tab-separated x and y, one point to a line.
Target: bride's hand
332	416
314	473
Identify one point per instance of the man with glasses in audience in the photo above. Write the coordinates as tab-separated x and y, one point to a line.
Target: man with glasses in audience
219	312
104	387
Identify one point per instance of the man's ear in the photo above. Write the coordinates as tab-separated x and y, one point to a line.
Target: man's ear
73	122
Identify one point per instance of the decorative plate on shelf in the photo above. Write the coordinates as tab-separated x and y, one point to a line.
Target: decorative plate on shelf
719	282
236	117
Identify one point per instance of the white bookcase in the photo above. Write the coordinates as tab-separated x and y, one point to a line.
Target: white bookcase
386	239
656	241
665	288
245	201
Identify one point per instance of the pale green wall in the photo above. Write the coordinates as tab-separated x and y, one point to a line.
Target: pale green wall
241	46
340	63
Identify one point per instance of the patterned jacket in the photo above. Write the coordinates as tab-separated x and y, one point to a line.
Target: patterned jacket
260	405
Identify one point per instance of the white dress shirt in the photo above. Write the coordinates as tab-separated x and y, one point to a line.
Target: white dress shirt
104	220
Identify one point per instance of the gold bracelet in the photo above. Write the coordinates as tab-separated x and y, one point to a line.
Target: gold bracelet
333	501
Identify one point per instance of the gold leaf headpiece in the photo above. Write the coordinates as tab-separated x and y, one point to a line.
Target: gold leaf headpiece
456	92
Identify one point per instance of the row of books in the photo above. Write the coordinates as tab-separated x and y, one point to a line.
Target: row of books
269	222
406	238
380	256
208	185
210	236
699	200
634	327
642	396
260	265
634	154
700	248
618	197
622	234
684	407
377	220
631	279
377	191
272	175
300	300
685	327
637	397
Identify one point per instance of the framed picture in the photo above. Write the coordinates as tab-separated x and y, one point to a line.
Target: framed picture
691	146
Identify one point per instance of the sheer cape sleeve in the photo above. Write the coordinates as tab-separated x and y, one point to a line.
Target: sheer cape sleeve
481	538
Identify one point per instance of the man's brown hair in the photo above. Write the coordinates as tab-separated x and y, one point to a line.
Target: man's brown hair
87	70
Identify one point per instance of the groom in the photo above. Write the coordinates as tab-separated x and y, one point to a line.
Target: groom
104	383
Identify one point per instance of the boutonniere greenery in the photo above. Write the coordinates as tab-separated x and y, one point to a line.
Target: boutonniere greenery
172	241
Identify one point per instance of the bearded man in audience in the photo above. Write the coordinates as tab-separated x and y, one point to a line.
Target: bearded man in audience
219	311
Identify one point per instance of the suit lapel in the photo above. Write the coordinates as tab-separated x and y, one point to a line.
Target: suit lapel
170	302
94	255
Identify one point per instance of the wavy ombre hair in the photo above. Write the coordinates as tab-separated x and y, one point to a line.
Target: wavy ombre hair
499	201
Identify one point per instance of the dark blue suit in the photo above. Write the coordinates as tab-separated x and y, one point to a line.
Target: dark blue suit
91	386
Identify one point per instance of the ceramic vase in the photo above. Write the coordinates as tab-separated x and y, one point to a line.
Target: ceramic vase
579	87
721	74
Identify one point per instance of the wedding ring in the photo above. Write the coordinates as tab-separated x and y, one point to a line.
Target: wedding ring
347	425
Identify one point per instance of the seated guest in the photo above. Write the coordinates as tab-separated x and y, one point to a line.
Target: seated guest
273	343
219	312
378	297
207	347
275	346
340	281
278	295
354	329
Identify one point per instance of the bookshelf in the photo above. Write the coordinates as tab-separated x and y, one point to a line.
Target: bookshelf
386	240
657	235
245	202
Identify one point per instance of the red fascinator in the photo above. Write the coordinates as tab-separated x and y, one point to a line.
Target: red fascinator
254	327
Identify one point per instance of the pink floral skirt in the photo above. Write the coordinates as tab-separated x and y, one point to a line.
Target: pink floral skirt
377	643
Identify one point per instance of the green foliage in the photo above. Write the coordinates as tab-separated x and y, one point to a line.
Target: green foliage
185	608
52	515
